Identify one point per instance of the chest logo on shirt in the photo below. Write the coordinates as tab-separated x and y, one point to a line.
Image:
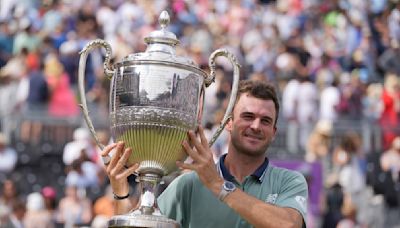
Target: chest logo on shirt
271	198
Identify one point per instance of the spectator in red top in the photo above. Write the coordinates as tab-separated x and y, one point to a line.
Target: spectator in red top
389	120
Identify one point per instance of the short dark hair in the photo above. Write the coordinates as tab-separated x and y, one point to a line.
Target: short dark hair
259	89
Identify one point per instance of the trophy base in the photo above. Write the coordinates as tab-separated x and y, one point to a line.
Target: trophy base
133	220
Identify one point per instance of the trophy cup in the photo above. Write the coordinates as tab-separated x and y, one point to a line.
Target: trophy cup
156	97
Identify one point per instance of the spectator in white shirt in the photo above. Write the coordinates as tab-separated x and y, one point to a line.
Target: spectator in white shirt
8	156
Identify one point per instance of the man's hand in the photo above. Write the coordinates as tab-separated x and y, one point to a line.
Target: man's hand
116	170
203	162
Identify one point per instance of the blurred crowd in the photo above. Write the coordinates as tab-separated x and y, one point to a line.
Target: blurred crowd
330	60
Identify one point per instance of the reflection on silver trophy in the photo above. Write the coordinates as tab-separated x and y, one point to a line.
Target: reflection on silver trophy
156	98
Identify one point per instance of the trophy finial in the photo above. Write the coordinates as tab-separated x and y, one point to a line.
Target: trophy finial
161	37
164	19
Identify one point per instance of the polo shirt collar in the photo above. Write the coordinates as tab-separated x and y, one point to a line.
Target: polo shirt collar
258	173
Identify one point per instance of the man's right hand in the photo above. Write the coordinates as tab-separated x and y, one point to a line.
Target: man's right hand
116	169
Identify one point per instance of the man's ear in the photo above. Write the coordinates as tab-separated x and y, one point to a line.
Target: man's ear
228	125
273	137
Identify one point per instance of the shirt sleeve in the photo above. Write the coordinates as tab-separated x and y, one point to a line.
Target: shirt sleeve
294	193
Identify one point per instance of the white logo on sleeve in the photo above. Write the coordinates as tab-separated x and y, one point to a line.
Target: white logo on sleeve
271	198
302	202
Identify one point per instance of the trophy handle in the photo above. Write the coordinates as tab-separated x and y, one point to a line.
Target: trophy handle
235	84
108	71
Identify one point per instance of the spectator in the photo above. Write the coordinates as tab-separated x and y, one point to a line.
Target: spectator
334	202
390	163
349	212
62	101
36	101
74	208
389	60
389	120
306	106
50	202
8	156
10	76
16	218
26	36
390	159
104	206
72	150
329	96
319	142
6	41
9	195
81	176
350	163
36	214
351	92
372	102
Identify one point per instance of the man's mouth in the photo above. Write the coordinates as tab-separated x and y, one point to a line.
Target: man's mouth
253	136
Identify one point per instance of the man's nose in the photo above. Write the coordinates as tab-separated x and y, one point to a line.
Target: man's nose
255	124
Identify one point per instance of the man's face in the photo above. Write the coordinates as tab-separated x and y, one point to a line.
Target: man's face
252	126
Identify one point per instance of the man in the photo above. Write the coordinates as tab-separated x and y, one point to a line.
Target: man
251	192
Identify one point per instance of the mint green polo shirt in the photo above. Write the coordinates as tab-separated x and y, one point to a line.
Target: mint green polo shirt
189	202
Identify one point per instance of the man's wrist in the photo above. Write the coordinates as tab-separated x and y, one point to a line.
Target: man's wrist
121	197
216	187
226	189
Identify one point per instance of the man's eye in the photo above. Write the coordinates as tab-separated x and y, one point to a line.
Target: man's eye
247	117
266	121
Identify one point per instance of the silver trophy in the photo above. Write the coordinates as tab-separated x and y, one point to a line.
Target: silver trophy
156	97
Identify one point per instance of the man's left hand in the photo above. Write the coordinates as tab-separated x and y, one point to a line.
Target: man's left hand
203	162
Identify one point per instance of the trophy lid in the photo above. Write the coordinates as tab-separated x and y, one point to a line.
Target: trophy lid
162	36
160	48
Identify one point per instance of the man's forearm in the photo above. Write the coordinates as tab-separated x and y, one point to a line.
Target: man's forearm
261	214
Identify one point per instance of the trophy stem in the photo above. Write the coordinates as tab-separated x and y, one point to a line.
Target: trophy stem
146	214
148	184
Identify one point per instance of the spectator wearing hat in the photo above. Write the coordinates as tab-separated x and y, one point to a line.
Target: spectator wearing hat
72	150
36	214
318	144
50	202
10	99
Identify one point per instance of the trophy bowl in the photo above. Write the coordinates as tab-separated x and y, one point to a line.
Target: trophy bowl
156	97
153	106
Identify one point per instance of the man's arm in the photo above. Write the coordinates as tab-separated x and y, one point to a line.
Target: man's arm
261	214
118	174
255	211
